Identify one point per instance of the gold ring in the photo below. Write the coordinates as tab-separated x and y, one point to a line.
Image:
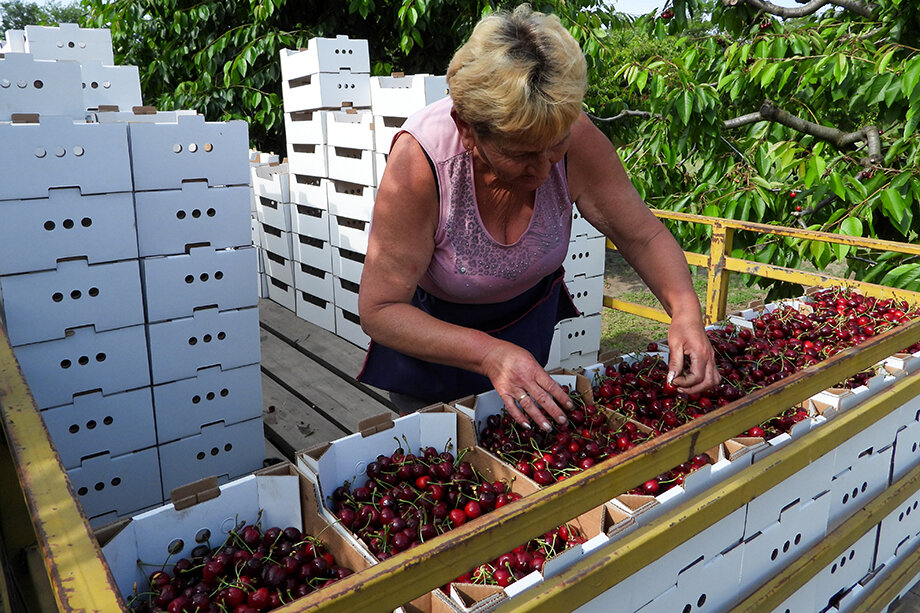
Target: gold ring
521	397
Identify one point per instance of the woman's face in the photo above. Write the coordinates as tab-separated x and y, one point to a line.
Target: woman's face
518	165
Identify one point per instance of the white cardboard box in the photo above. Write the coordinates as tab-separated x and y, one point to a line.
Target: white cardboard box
579	335
385	129
58	152
855	486
316	310
276	240
42	306
307	159
168	221
346	294
906	450
164	155
35	234
272	181
800	527
400	96
326	55
213	394
116	424
278	267
143	114
352	200
309	190
68	41
274	213
109	487
351	165
305	127
587	294
350	128
326	90
281	292
278	496
310	221
347	264
898	530
176	285
111	361
314	281
179	348
313	251
585	257
114	86
348	233
844	572
798	489
224	450
30	85
348	326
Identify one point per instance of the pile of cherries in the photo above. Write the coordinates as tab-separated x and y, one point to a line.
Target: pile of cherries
409	498
251	571
776	345
591	435
524	559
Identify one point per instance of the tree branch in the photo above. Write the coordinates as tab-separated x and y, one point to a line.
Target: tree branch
840	139
857	6
624	113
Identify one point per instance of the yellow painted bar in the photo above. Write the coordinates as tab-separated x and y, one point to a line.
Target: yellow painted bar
603	569
637	309
775	591
73	561
792	275
412	573
717	277
798	233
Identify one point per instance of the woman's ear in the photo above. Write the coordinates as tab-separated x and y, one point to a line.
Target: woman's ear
465	130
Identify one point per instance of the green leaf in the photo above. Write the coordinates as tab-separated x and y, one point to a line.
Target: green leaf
837	186
896	209
851	226
910	77
767	77
685	107
882	64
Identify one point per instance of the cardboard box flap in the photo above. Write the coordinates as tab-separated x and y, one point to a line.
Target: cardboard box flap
375	424
190	494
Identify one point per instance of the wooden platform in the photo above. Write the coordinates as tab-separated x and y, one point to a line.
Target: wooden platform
309	392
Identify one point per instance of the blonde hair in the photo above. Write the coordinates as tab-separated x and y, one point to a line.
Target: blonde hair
520	75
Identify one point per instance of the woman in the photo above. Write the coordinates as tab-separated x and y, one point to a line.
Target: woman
462	284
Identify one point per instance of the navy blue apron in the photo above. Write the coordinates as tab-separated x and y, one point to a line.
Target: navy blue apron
526	320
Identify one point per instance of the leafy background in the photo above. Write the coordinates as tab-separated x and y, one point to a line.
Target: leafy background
665	87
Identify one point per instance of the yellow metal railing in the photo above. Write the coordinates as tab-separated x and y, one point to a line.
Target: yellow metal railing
76	573
720	264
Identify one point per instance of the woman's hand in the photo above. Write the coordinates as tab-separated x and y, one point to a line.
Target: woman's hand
688	338
523	384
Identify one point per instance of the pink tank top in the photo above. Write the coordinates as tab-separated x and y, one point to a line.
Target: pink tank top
468	265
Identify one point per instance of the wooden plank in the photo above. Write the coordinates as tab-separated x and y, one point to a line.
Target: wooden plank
341	404
322	346
292	425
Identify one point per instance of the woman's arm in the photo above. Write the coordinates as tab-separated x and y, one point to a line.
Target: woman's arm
605	196
400	248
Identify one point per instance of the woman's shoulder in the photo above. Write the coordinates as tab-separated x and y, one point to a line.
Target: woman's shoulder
435	130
